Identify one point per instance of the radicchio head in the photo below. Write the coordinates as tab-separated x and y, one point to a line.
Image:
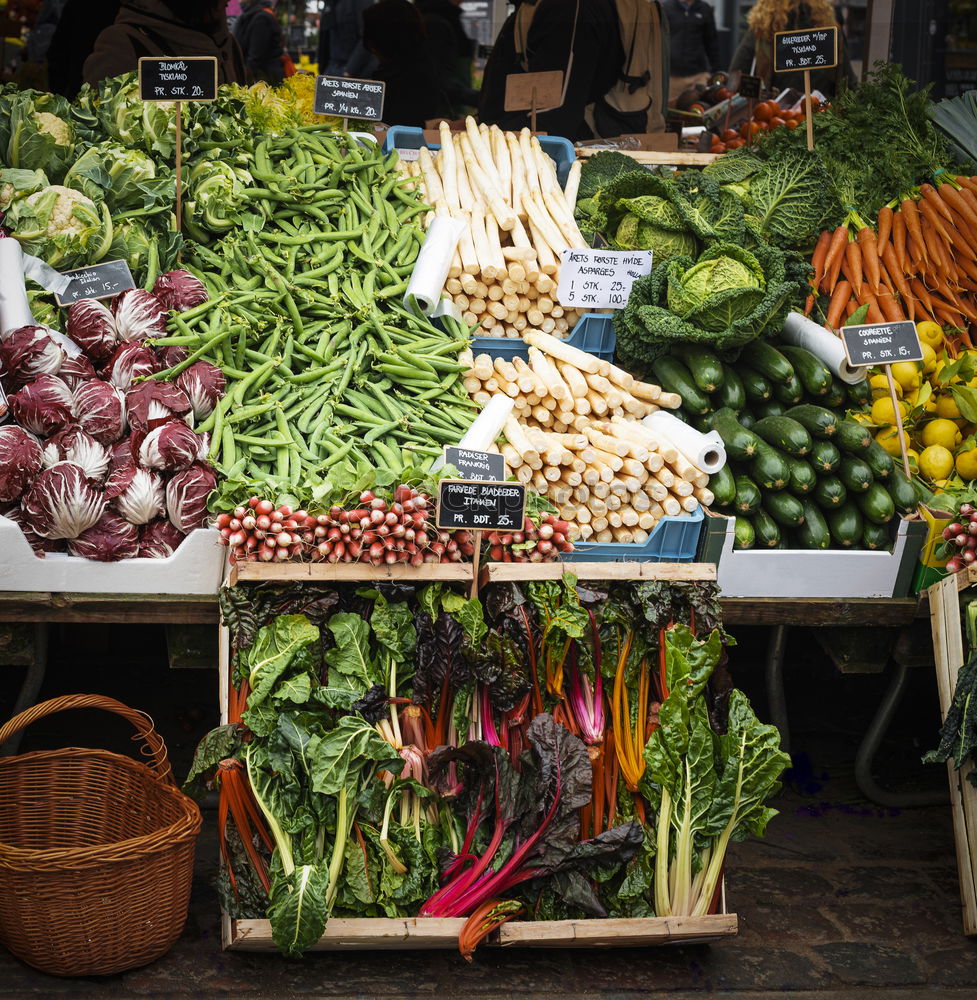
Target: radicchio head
77	446
109	539
204	383
20	462
180	290
128	362
151	404
170	448
44	407
101	410
159	539
139	315
186	496
170	357
61	503
38	544
137	494
91	326
26	353
75	371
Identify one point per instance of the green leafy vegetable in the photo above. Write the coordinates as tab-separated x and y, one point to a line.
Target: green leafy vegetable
723	286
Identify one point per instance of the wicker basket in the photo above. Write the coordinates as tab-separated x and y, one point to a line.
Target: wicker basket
96	850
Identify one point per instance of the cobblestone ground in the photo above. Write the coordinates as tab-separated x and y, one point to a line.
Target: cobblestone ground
842	899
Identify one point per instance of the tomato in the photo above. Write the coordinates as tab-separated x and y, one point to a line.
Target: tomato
752	128
720	147
791	123
766	110
729	135
777	121
735	143
722	94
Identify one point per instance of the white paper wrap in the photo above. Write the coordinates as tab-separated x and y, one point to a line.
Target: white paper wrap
15	311
705	451
804	332
487	426
431	268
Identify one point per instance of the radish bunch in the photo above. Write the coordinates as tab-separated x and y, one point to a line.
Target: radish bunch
961	538
262	531
532	544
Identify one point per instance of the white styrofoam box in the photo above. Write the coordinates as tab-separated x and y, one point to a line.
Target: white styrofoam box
837	573
196	567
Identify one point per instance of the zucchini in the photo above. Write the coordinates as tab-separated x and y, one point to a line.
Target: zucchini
855	474
747	419
879	461
745	535
702	424
803	479
706	368
741	444
731	393
820	422
875	536
845	525
830	492
766	530
747	495
768	361
673	376
769	408
836	395
783	433
811	370
756	387
852	437
859	394
876	504
723	486
825	457
789	392
769	468
785	509
813	533
902	491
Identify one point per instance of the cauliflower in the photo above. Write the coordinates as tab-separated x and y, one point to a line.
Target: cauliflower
62	226
16	184
54	126
69	210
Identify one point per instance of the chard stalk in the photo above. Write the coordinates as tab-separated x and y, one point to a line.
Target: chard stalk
344	825
683	852
663	906
398	866
394	719
282	841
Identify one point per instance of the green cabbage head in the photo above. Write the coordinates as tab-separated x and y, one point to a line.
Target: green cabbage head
125	178
655	224
721	288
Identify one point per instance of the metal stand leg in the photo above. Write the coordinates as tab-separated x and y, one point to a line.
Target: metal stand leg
776	698
870	746
31	686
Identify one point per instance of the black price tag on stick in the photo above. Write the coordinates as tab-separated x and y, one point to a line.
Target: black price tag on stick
178	78
481	506
750	87
100	281
480	465
881	343
814	48
348	98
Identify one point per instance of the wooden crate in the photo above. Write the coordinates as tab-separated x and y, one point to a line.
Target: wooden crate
428	933
948	651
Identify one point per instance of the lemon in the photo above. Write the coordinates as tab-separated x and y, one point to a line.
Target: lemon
930	405
880	387
946	406
883	412
906	373
936	462
929	359
888	437
930	333
966	464
942	432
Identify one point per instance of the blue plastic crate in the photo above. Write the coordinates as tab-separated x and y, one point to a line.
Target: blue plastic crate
674	539
594	333
560	150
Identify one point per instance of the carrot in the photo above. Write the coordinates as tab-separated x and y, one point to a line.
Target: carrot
934	198
833	259
870	255
875	314
808	305
818	257
839	297
885	224
851	308
898	278
853	265
949	234
889	306
908	208
934	249
899	239
969	195
959	205
922	293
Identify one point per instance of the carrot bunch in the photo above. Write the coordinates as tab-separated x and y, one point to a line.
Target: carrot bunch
919	262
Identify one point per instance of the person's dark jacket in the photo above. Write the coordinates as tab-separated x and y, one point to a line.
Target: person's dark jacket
694	40
260	36
340	37
450	50
150	28
81	22
597	60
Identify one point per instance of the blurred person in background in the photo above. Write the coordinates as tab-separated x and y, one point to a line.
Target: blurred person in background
755	52
453	52
694	44
259	34
163	28
341	51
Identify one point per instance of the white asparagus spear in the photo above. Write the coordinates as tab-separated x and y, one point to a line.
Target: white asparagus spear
485	184
572	185
449	167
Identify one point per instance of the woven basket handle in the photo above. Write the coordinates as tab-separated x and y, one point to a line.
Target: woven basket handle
153	746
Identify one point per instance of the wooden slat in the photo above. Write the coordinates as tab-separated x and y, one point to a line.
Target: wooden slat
348	572
651	158
413	933
38	606
508	572
819	611
948	654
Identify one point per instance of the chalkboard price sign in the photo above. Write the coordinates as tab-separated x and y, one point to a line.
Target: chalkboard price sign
813	48
881	343
182	78
480	506
348	98
750	87
100	281
481	465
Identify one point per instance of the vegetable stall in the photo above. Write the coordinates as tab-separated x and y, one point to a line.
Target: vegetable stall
434	735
